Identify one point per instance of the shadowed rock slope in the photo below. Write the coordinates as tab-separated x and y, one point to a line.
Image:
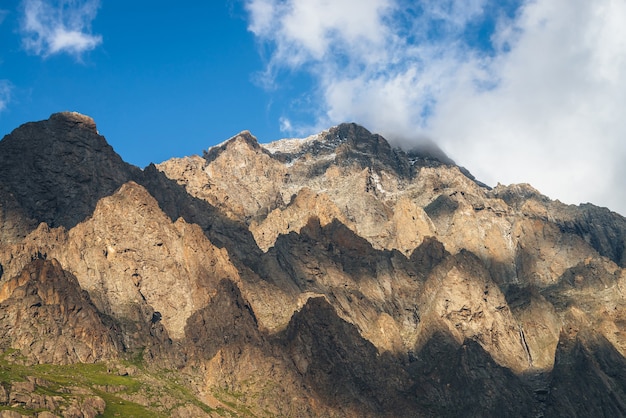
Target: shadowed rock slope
332	275
50	319
58	169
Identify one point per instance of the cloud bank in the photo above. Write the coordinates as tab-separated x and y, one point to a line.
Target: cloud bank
517	91
59	26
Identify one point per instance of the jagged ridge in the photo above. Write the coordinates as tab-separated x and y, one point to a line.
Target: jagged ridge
332	276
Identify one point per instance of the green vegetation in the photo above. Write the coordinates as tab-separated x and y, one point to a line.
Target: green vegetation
234	401
128	389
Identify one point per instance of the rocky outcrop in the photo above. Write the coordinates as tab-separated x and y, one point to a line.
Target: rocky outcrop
368	287
599	227
58	169
460	299
223	231
46	315
15	224
226	320
344	369
294	216
31	395
460	379
136	264
254	176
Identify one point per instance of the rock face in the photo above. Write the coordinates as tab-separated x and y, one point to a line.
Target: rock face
50	319
327	276
57	170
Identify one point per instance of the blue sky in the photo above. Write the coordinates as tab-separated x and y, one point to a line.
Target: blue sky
515	90
162	81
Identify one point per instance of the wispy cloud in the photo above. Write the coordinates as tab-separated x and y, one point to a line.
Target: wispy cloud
5	85
3	15
322	35
51	27
5	93
371	54
517	90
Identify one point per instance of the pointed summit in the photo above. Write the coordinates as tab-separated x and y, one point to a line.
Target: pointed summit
242	138
345	144
74	119
57	169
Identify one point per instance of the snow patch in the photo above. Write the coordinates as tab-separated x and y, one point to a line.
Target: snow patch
376	180
290	145
413	160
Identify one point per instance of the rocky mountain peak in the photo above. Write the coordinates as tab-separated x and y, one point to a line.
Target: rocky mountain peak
428	150
518	193
344	144
58	168
345	134
73	118
242	139
349	143
356	134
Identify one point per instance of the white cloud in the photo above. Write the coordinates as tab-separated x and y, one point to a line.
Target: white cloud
541	104
5	93
285	125
320	31
55	26
554	119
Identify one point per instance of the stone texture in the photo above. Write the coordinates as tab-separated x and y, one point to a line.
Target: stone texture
295	216
11	414
461	379
33	395
344	369
47	316
15	223
189	411
58	169
147	272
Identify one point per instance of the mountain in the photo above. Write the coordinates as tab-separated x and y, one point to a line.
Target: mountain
332	275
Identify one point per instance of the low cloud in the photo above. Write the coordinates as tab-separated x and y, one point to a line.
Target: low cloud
554	117
516	91
52	27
